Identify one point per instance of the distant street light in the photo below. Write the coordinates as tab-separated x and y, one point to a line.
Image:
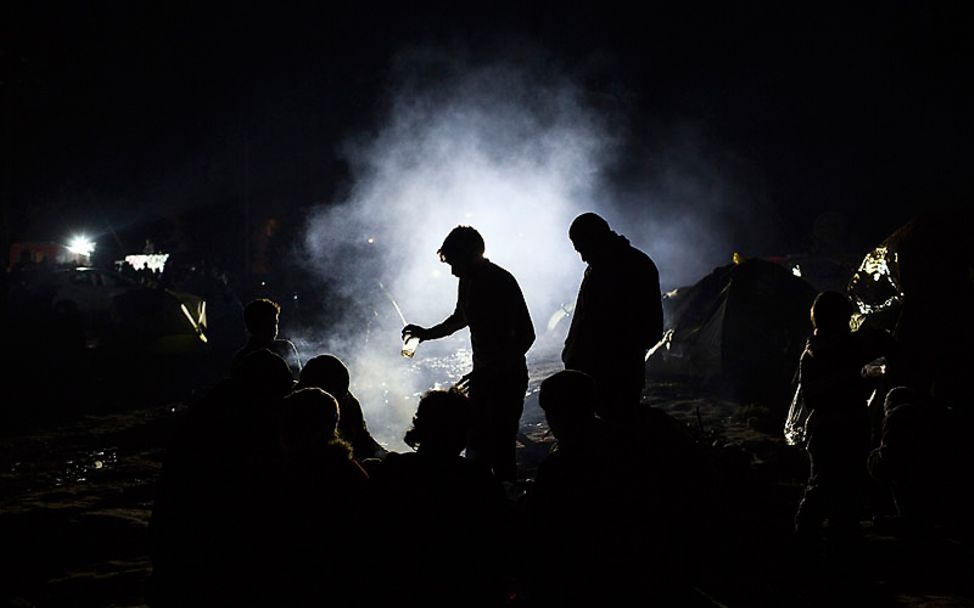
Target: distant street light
81	245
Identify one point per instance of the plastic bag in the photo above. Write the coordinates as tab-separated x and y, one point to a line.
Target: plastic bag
796	424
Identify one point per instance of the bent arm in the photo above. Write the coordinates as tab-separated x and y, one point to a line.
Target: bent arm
450	325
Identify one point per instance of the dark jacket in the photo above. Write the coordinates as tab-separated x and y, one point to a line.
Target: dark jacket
618	315
489	301
283	348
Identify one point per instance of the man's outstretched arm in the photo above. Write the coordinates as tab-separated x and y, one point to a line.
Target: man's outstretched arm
450	325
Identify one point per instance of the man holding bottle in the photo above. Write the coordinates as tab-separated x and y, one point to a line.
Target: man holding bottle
490	303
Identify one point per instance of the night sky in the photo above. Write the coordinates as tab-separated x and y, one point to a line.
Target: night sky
137	115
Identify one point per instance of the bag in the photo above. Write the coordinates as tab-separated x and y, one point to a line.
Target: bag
796	424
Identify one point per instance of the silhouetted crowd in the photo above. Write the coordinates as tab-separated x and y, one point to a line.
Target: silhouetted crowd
275	493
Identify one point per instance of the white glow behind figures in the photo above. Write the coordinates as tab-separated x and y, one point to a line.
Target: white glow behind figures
81	245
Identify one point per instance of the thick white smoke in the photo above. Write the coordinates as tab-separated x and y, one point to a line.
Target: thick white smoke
513	150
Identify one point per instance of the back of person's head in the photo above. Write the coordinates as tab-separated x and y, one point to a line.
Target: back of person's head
831	313
326	372
440	424
309	418
568	400
263	374
463	244
900	395
589	228
261	317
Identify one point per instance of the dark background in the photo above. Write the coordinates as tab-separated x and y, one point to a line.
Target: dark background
191	124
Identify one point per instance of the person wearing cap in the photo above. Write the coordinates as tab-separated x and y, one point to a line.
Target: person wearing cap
490	303
618	316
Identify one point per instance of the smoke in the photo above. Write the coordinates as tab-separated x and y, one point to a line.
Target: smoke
517	151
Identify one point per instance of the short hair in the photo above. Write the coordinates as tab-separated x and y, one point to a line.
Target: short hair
588	227
568	393
463	243
831	312
326	372
441	421
259	312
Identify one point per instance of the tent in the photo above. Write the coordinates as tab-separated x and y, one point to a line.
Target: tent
742	328
918	284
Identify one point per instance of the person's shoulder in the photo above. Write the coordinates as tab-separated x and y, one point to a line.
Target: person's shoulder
642	259
500	275
283	344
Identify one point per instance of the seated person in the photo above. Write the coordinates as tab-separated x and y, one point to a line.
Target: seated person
912	455
203	540
328	373
587	502
443	509
262	317
315	524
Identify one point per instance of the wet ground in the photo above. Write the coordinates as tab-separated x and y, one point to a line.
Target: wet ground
75	501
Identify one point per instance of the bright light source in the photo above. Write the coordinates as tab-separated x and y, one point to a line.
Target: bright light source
796	270
156	262
371	240
81	245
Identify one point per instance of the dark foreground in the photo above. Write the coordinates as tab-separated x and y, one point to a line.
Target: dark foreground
76	501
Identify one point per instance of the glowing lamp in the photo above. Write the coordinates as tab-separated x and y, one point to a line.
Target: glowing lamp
81	245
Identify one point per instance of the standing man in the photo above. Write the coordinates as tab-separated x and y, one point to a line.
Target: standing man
490	302
618	316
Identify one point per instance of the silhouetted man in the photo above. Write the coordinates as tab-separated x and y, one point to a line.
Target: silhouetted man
618	316
262	317
490	302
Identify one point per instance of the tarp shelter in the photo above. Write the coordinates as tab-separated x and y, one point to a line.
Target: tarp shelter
919	285
742	328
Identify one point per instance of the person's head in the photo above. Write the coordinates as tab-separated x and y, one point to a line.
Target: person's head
589	234
461	249
568	399
261	317
309	418
440	423
326	372
263	374
831	312
900	395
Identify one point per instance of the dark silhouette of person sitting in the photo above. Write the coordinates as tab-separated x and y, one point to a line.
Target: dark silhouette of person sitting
262	317
207	534
330	374
913	457
586	501
618	316
443	510
490	302
835	392
317	512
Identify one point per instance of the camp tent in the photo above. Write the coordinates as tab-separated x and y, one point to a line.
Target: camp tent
742	328
919	285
